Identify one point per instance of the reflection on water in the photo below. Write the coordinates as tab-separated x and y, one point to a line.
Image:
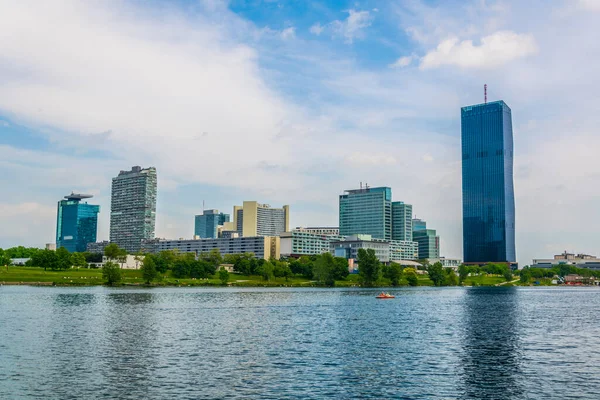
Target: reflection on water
491	354
73	343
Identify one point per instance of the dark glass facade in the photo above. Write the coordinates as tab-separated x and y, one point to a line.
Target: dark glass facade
77	224
487	183
366	211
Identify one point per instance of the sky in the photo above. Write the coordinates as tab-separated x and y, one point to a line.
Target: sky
293	102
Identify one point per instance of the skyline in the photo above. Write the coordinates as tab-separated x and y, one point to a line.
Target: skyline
382	106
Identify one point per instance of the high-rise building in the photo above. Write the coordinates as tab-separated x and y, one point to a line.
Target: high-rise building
366	211
487	183
255	219
401	221
133	208
207	225
428	243
418	225
76	223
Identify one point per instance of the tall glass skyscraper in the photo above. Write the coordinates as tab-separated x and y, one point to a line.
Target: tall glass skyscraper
207	225
133	208
401	221
76	223
487	183
366	211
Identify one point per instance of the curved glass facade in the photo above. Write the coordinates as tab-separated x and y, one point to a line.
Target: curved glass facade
487	183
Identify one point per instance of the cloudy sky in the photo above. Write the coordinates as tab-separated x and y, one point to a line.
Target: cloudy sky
291	102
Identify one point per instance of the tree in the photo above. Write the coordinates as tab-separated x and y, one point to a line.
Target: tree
114	252
436	274
265	270
63	259
369	267
223	276
149	272
463	273
449	277
111	272
46	259
394	273
323	269
4	258
507	274
411	276
525	275
78	260
302	266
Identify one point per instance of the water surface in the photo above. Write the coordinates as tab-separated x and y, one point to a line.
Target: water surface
479	343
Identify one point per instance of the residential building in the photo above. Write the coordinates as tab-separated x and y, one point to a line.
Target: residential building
576	260
404	250
401	221
98	247
487	183
207	225
348	247
255	219
133	208
261	246
76	222
320	230
428	243
366	211
305	243
453	263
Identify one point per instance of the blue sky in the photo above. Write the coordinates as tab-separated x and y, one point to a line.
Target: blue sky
291	102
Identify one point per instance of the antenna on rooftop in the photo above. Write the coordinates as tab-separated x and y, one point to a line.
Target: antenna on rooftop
485	93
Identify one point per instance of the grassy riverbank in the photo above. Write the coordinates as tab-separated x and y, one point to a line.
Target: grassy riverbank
93	277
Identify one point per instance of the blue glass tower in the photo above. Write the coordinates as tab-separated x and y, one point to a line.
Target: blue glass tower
487	183
76	223
367	211
207	225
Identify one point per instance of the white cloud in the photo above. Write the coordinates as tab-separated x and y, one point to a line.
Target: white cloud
593	5
494	50
317	29
403	62
350	29
288	33
4	123
360	158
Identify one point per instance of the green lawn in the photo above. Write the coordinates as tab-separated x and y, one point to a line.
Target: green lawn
71	276
484	280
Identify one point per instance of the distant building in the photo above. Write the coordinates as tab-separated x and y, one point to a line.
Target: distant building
320	230
348	247
255	219
76	223
576	260
133	208
403	250
453	263
129	262
401	221
487	183
51	246
428	243
207	225
305	243
366	211
97	247
261	246
418	225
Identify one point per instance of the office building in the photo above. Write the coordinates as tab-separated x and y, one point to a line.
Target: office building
366	211
76	223
320	230
265	247
348	247
418	225
401	221
487	183
305	243
207	225
403	250
572	259
133	208
255	219
428	243
97	247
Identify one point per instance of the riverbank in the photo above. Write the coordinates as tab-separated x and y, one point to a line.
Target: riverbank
93	277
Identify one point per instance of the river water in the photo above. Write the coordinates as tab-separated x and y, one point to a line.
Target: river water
178	343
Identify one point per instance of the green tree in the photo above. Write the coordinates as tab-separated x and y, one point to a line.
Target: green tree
507	274
449	277
323	269
5	260
63	259
78	260
223	276
149	272
411	276
46	259
525	275
463	273
394	273
436	274
265	270
111	272
114	252
369	267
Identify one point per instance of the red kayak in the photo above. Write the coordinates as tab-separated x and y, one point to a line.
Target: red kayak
385	296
